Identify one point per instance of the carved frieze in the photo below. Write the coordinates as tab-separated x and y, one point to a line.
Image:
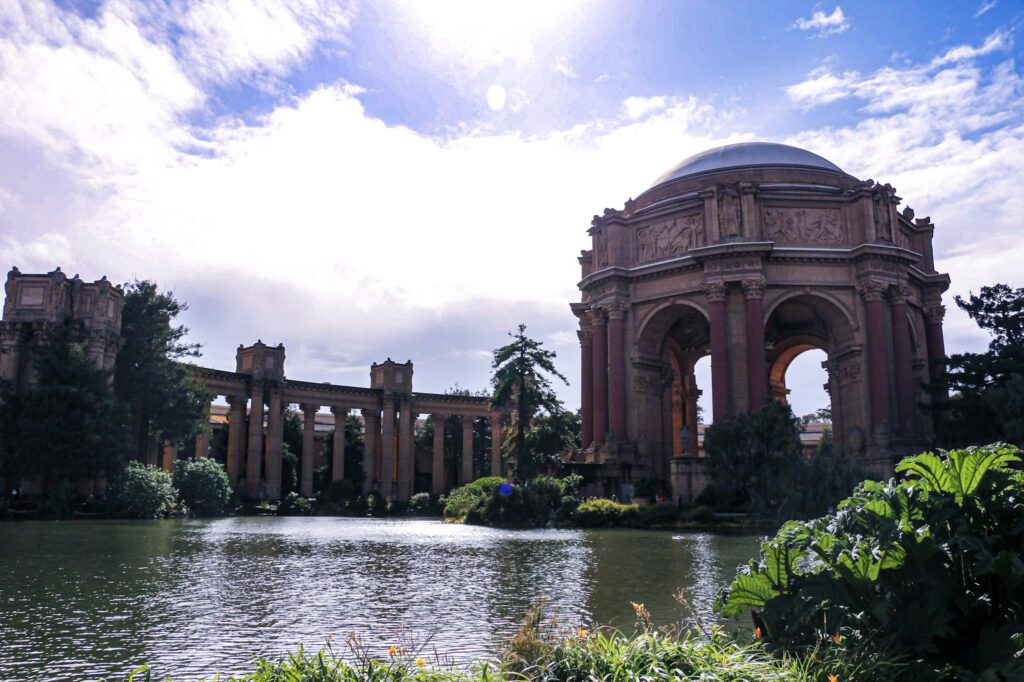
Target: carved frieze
600	249
802	225
648	383
733	264
670	239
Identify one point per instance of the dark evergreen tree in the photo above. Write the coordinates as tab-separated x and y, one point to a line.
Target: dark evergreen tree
68	424
987	389
521	387
165	402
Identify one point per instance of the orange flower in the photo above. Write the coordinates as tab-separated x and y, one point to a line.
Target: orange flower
636	607
815	657
581	633
419	662
393	651
758	634
832	678
836	638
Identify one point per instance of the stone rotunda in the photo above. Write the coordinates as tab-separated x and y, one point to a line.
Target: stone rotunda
754	253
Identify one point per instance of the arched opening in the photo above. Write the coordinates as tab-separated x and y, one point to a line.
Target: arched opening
672	343
809	338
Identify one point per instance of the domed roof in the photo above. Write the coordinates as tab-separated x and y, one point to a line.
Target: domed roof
745	155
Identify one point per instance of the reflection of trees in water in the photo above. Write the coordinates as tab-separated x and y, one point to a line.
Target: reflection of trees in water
649	567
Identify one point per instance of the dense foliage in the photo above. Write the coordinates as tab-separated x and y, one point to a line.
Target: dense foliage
140	491
165	402
987	402
465	497
928	569
756	463
68	424
203	485
520	386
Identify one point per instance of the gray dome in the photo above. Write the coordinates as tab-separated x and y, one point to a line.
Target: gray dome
744	155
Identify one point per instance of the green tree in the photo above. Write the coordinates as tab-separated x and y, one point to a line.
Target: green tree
987	389
203	485
748	455
165	402
520	386
68	424
552	435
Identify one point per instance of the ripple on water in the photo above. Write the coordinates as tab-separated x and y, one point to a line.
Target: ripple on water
94	599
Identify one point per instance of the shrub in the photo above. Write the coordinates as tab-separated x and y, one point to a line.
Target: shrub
650	487
339	491
464	498
659	514
203	485
293	505
60	500
600	513
522	507
419	503
928	569
571	485
699	514
141	491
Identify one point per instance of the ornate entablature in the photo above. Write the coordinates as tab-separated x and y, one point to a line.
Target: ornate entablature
754	253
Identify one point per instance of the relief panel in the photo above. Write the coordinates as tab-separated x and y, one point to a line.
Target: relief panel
669	239
802	225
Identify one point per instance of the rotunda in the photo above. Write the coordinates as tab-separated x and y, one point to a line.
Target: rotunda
752	254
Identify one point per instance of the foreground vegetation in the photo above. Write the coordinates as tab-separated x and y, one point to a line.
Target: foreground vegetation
913	579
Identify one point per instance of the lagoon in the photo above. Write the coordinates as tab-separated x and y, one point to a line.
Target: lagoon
93	599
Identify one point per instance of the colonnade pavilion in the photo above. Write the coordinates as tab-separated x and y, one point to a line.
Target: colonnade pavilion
754	253
389	407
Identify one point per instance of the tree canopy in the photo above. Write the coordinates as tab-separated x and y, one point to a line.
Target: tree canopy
987	389
521	387
165	402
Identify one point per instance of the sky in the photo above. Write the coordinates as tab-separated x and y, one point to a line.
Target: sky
412	180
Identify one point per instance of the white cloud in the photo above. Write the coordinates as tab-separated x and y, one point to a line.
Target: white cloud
1000	39
985	6
824	24
638	107
563	67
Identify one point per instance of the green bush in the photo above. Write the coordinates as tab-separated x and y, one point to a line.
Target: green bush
659	514
699	514
522	507
293	505
571	485
650	487
203	485
464	498
928	570
419	504
60	500
141	491
603	512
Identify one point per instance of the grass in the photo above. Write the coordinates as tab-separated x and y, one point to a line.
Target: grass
542	650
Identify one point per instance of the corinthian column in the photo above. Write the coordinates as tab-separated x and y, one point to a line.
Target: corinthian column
600	374
906	405
254	458
236	436
308	448
405	461
878	376
720	397
617	370
757	366
586	386
371	421
275	442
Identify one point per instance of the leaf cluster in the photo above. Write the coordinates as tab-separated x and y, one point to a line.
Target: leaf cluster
927	569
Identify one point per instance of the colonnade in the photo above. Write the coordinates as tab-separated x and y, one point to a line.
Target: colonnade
256	433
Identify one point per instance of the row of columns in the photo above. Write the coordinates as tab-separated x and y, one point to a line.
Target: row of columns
603	375
603	357
388	456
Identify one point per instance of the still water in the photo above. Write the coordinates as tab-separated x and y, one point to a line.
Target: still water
86	600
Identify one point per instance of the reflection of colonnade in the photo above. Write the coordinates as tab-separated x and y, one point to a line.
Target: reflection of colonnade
752	254
258	396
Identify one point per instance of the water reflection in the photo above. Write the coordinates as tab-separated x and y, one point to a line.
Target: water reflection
93	599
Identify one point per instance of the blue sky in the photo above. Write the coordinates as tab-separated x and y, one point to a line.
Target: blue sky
364	180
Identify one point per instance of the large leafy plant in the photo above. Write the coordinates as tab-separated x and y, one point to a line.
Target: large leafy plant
928	569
